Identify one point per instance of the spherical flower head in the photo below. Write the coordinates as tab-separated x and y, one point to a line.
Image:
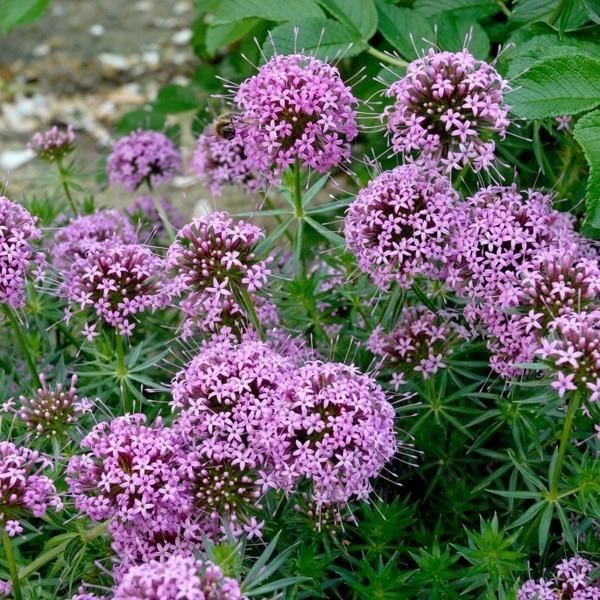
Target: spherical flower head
296	108
210	257
449	107
54	144
149	225
420	342
131	474
572	349
143	156
74	240
499	230
50	410
571	581
334	429
224	398
17	230
115	283
178	577
219	162
398	226
23	489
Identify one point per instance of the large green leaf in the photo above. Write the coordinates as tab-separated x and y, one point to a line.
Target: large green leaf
323	38
20	12
592	7
359	15
221	36
587	133
175	99
406	30
473	10
455	33
232	11
542	47
527	11
558	86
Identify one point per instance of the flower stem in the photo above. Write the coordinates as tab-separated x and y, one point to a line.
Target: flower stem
387	58
565	437
18	329
12	566
164	218
299	209
64	178
122	373
503	8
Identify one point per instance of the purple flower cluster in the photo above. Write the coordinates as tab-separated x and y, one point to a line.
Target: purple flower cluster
210	257
224	398
399	225
53	144
177	578
143	156
296	108
132	476
50	410
333	428
22	488
116	282
144	215
448	107
421	341
17	230
571	581
73	241
218	161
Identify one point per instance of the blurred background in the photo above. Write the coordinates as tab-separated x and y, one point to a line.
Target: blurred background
98	66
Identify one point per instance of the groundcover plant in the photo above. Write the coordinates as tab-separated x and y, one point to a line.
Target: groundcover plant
381	380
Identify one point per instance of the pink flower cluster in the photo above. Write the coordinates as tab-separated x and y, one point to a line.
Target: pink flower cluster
53	144
333	428
224	398
143	156
571	581
50	410
132	476
177	578
448	107
295	108
398	227
420	342
73	241
144	215
17	230
116	282
218	161
22	488
211	256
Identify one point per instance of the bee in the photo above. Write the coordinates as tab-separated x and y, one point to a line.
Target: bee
225	125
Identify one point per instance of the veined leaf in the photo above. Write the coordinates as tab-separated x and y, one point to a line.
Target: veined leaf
359	15
232	11
472	10
20	12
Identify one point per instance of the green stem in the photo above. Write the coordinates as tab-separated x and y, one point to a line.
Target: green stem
12	566
504	8
64	178
245	299
163	217
565	437
299	209
390	60
12	319
122	373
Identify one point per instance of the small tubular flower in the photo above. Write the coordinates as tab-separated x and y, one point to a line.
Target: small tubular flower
177	578
334	429
399	225
295	108
17	230
73	241
448	107
115	282
218	162
143	156
23	489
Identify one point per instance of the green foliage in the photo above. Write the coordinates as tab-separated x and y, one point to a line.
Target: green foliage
20	12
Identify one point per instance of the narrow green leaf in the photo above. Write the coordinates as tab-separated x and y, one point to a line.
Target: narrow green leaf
314	190
336	239
545	522
567	527
592	7
528	515
565	85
